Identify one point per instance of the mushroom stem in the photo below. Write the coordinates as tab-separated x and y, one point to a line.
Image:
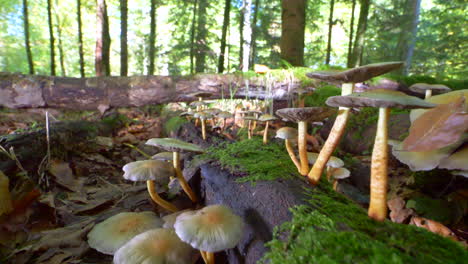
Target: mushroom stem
203	254
157	199
333	138
180	177
302	142
301	101
249	133
428	93
210	257
265	133
196	121
203	127
378	192
224	125
293	157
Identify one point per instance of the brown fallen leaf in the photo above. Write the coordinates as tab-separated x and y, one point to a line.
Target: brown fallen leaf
438	127
433	226
6	206
63	176
398	212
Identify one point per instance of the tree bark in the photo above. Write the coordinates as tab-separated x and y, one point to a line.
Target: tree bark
409	29
123	38
152	38
26	37
292	31
253	45
330	28
241	37
51	38
200	38
351	32
192	37
102	51
80	38
227	10
60	45
358	47
246	33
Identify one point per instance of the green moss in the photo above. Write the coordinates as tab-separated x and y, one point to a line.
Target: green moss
332	229
254	160
173	124
453	84
321	94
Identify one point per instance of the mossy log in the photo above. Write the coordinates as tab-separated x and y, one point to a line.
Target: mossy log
32	91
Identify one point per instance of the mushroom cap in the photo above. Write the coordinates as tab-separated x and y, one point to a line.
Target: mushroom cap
358	74
145	170
213	228
420	161
224	114
341	173
204	115
170	219
422	87
379	98
267	117
333	161
461	173
445	98
111	234
202	94
213	111
457	161
188	113
197	103
166	156
156	246
249	118
174	145
287	133
305	114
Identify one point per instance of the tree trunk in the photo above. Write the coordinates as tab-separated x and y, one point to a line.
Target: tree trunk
192	37
358	47
253	45
330	27
60	45
409	28
102	64
241	37
351	32
152	38
80	38
26	37
51	38
123	38
227	9
200	38
246	33
292	31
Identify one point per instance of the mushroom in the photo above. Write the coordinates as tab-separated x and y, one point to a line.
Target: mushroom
302	116
175	145
150	171
201	95
165	156
288	134
347	78
384	99
210	229
203	116
457	161
111	234
301	93
428	89
198	104
6	206
170	219
224	115
249	126
156	246
334	171
267	118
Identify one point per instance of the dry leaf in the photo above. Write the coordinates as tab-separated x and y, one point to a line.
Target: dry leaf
66	237
438	127
64	176
6	206
433	226
398	212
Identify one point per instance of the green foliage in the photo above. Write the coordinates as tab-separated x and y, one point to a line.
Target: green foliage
173	124
332	229
453	84
254	160
321	94
434	209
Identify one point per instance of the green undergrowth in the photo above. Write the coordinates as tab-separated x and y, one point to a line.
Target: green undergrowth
173	124
332	229
321	94
452	83
254	160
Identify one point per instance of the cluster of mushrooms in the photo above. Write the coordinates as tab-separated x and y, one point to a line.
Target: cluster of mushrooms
134	238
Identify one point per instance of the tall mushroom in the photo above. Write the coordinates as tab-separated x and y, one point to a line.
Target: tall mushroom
302	116
428	89
288	134
176	146
347	78
384	100
267	118
224	115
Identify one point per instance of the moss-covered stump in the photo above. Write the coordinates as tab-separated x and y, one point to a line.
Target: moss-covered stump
326	228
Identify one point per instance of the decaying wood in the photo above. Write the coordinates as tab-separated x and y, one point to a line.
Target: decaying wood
32	91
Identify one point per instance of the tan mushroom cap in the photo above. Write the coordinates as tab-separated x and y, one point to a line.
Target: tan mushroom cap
170	219
357	75
305	114
456	161
333	162
212	111
422	87
379	98
250	118
267	117
145	170
202	94
213	228
204	115
287	133
173	144
197	103
108	236
224	114
166	156
188	113
341	173
157	246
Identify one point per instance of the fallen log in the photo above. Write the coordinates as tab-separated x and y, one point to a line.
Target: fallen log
33	91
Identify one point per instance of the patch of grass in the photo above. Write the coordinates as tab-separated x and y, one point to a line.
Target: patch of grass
173	124
332	229
259	162
321	94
